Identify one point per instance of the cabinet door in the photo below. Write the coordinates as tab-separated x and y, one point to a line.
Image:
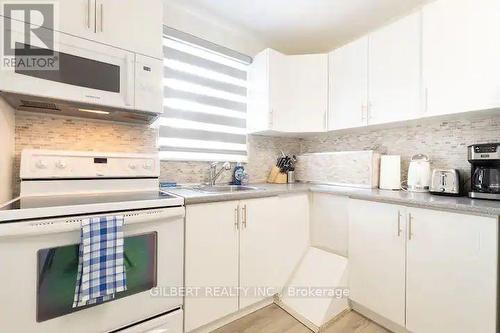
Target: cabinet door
293	240
77	17
395	71
279	92
349	85
259	115
142	32
211	261
377	258
259	237
460	56
308	93
451	272
330	222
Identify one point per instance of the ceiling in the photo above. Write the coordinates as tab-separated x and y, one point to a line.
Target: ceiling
305	26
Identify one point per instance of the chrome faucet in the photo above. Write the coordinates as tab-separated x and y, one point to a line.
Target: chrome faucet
214	174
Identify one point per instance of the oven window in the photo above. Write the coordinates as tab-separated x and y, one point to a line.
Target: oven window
57	269
74	70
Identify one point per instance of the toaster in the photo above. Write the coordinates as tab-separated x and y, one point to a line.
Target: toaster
445	182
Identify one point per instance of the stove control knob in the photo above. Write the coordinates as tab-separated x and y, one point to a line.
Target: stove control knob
61	165
41	164
132	166
148	165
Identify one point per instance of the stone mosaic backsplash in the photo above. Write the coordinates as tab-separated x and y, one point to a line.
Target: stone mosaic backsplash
348	168
41	131
444	141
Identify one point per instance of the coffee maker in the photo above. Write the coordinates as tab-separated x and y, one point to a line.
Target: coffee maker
485	173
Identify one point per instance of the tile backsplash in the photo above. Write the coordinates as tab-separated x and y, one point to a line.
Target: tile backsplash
445	142
41	131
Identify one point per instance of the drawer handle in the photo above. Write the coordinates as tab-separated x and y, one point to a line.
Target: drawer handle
399	224
236	218
410	231
244	213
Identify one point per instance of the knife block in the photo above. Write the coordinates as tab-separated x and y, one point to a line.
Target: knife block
277	177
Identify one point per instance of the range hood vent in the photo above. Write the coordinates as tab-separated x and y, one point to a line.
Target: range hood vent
74	109
39	105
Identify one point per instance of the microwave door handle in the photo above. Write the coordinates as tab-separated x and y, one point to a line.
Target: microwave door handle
130	79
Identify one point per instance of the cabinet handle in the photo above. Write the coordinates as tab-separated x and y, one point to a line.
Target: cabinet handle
88	14
326	120
426	101
399	224
236	218
102	19
244	213
363	110
410	231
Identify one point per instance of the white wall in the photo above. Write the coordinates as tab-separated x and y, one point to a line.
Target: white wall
6	150
211	28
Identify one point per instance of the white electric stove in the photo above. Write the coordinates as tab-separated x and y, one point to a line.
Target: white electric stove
39	238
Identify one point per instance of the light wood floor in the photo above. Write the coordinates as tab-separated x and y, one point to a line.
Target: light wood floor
272	319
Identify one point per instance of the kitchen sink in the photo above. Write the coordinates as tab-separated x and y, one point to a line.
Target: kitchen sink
224	188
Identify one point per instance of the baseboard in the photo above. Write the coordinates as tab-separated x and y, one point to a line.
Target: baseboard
233	316
382	321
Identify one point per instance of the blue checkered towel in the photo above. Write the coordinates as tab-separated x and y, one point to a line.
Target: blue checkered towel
101	272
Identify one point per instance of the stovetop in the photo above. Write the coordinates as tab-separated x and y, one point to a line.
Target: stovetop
35	207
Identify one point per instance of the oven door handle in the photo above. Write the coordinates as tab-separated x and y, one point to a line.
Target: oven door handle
60	225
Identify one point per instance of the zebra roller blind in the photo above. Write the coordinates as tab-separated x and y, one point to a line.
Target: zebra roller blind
205	104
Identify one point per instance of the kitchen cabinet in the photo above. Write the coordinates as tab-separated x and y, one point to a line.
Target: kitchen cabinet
259	238
349	85
249	244
126	24
293	225
460	56
211	260
427	262
287	93
377	258
394	71
451	272
330	222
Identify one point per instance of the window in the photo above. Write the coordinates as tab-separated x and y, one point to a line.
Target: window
205	101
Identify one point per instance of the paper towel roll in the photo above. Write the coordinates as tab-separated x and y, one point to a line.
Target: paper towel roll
390	172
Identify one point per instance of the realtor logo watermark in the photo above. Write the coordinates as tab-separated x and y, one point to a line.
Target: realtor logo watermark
29	38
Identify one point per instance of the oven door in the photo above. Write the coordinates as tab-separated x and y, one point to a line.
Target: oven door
39	265
75	69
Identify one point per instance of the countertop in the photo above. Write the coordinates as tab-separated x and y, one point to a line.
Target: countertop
418	200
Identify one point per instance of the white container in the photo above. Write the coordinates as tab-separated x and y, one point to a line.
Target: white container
390	172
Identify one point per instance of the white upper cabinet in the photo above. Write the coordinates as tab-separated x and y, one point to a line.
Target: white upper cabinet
461	52
349	85
287	93
395	71
134	25
131	25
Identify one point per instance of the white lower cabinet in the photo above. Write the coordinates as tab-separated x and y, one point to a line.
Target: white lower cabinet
451	272
441	267
377	259
253	244
211	260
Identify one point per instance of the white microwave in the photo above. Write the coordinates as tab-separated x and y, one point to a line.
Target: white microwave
79	77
